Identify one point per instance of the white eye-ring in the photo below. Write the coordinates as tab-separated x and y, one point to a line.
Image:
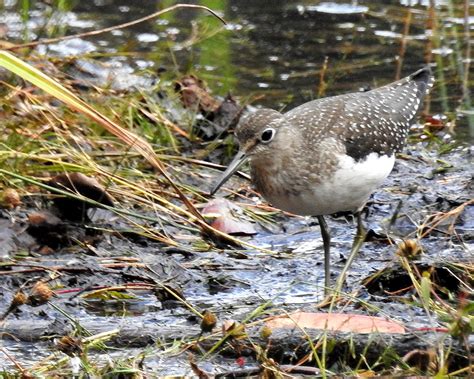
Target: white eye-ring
267	135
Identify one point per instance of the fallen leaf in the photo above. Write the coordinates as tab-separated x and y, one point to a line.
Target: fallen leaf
337	322
194	94
233	328
434	122
218	207
78	184
231	225
222	211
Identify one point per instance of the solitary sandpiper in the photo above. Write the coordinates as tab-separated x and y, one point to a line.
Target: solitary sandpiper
328	155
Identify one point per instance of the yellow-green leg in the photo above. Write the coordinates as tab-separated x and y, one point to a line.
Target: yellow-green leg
326	243
356	245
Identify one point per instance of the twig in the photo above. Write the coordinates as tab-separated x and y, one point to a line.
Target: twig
116	27
466	96
437	218
36	268
403	44
24	373
322	82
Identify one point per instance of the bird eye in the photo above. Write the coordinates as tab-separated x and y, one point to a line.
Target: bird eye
267	135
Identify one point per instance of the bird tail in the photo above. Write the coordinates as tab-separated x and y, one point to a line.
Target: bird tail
424	78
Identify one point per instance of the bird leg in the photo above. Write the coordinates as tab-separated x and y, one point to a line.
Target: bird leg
357	244
326	242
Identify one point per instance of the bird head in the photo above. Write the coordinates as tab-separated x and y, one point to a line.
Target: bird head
256	133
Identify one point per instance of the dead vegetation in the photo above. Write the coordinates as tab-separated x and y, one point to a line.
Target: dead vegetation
118	224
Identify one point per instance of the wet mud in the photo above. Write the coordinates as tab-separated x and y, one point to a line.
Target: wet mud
78	259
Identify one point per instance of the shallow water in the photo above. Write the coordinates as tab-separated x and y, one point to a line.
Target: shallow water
271	53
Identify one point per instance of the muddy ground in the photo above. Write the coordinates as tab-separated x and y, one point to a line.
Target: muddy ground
77	258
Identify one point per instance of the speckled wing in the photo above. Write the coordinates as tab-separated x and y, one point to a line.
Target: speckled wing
366	122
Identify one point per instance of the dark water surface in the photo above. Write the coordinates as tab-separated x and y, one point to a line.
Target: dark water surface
270	50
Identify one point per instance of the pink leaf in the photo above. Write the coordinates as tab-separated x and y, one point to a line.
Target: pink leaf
337	322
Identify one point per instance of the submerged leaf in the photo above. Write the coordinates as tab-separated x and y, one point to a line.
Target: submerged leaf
110	295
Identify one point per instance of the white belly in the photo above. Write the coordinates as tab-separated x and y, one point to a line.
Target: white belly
347	190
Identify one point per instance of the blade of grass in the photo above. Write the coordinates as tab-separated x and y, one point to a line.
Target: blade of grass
122	212
51	86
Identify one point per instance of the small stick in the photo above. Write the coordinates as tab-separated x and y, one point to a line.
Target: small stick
24	372
116	27
322	83
403	44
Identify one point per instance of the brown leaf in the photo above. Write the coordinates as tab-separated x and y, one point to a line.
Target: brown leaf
337	322
78	184
234	329
434	124
43	219
194	94
218	207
